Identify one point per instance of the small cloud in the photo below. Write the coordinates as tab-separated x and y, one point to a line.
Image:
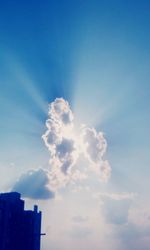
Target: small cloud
60	142
60	110
34	185
116	211
116	196
95	144
115	206
95	148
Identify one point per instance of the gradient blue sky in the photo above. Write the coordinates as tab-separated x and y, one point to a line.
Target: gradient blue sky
96	55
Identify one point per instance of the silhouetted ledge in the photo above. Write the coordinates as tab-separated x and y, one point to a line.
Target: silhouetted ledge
19	229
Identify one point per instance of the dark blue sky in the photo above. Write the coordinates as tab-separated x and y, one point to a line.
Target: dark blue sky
95	54
47	37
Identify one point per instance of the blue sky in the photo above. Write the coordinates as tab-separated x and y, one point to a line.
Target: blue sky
95	55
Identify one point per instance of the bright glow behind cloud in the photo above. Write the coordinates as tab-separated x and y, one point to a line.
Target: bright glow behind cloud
65	146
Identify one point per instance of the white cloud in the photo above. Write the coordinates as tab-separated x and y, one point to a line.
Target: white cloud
95	144
34	184
60	142
60	111
135	235
115	206
115	196
140	217
65	146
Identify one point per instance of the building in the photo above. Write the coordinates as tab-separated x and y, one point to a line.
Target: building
19	229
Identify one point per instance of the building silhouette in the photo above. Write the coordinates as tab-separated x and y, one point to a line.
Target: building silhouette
19	229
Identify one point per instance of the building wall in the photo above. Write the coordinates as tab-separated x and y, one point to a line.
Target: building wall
19	229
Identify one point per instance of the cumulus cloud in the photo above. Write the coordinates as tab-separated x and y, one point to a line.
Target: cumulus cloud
135	235
60	141
65	146
95	146
34	184
115	206
116	211
60	111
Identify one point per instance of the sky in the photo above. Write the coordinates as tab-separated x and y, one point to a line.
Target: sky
74	126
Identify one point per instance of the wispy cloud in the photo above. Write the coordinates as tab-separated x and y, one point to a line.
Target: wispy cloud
115	196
